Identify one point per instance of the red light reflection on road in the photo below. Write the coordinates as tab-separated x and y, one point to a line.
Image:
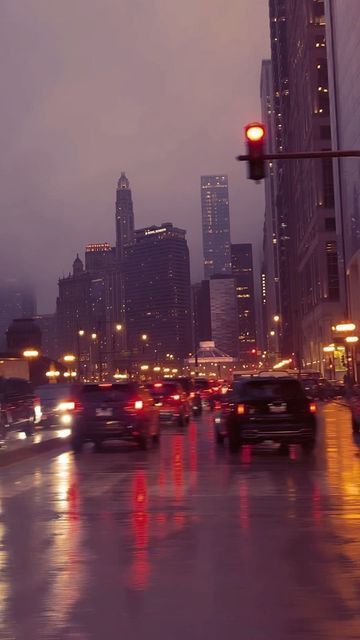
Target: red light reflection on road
244	507
140	568
178	465
193	452
246	454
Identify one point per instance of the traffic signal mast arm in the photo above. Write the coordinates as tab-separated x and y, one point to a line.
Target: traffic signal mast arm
303	155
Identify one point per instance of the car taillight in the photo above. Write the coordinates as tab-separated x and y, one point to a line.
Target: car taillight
312	407
192	394
78	406
217	405
138	405
175	397
240	409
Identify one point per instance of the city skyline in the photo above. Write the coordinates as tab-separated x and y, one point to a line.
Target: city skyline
67	99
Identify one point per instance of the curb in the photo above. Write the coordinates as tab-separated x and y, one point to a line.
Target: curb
11	456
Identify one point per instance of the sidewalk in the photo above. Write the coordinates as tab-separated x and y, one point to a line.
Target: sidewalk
17	447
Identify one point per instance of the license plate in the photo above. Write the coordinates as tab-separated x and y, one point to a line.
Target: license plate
278	408
104	413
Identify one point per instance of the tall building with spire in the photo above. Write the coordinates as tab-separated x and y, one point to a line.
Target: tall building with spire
215	225
124	215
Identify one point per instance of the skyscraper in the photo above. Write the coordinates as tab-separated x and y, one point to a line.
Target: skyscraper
223	308
215	225
343	42
158	293
243	274
124	215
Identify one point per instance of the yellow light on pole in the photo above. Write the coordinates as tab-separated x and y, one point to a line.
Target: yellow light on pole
81	333
69	358
276	318
144	367
93	336
52	374
345	327
329	349
352	339
272	333
30	353
119	327
157	369
144	337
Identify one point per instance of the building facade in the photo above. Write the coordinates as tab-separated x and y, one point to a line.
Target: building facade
343	39
313	225
243	274
215	225
158	293
224	314
17	300
201	312
124	215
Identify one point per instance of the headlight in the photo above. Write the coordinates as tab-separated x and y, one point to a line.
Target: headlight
66	419
65	406
38	413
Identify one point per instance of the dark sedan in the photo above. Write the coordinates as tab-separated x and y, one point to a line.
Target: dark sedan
114	411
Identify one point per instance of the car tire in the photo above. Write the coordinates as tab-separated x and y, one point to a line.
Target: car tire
355	426
76	444
143	442
235	442
98	446
29	428
309	445
219	437
181	420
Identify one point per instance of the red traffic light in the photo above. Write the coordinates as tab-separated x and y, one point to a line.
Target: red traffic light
255	136
255	132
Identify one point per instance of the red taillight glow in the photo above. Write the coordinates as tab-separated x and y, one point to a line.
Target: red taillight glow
138	404
312	407
240	409
176	397
105	385
192	395
158	385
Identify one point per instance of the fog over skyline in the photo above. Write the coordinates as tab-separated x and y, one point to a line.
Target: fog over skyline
156	88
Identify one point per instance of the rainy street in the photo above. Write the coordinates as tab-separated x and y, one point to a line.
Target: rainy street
185	540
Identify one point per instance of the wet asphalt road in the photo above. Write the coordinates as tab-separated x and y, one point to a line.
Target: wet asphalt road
184	541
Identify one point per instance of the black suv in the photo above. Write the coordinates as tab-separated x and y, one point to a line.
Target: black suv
19	408
260	409
113	411
192	393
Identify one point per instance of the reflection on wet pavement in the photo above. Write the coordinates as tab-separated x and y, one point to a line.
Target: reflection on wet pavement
184	540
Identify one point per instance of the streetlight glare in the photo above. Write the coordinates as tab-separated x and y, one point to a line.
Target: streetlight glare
144	336
352	339
276	318
81	332
344	327
69	358
93	336
119	327
30	353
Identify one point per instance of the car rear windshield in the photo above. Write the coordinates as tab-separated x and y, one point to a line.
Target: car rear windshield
107	393
54	391
185	384
271	390
202	384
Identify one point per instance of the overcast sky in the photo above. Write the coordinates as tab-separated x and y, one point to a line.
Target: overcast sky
158	88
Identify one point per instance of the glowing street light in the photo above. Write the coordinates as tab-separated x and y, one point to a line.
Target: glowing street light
30	353
144	367
329	349
352	339
144	337
93	336
69	358
52	374
119	327
345	327
81	333
276	318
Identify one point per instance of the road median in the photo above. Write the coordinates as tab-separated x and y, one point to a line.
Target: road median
17	449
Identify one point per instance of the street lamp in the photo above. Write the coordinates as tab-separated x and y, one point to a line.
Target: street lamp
30	353
119	327
69	358
352	339
81	333
345	327
276	318
144	337
93	336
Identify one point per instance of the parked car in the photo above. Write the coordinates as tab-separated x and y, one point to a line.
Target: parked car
261	409
19	407
193	394
57	404
114	411
317	388
171	401
354	403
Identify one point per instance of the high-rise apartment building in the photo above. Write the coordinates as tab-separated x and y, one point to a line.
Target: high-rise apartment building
274	239
343	43
201	312
243	274
124	215
215	225
313	227
158	293
224	314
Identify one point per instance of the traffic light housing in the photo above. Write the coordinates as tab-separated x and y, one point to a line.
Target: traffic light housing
255	136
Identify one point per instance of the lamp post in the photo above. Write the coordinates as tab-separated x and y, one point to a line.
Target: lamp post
344	331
